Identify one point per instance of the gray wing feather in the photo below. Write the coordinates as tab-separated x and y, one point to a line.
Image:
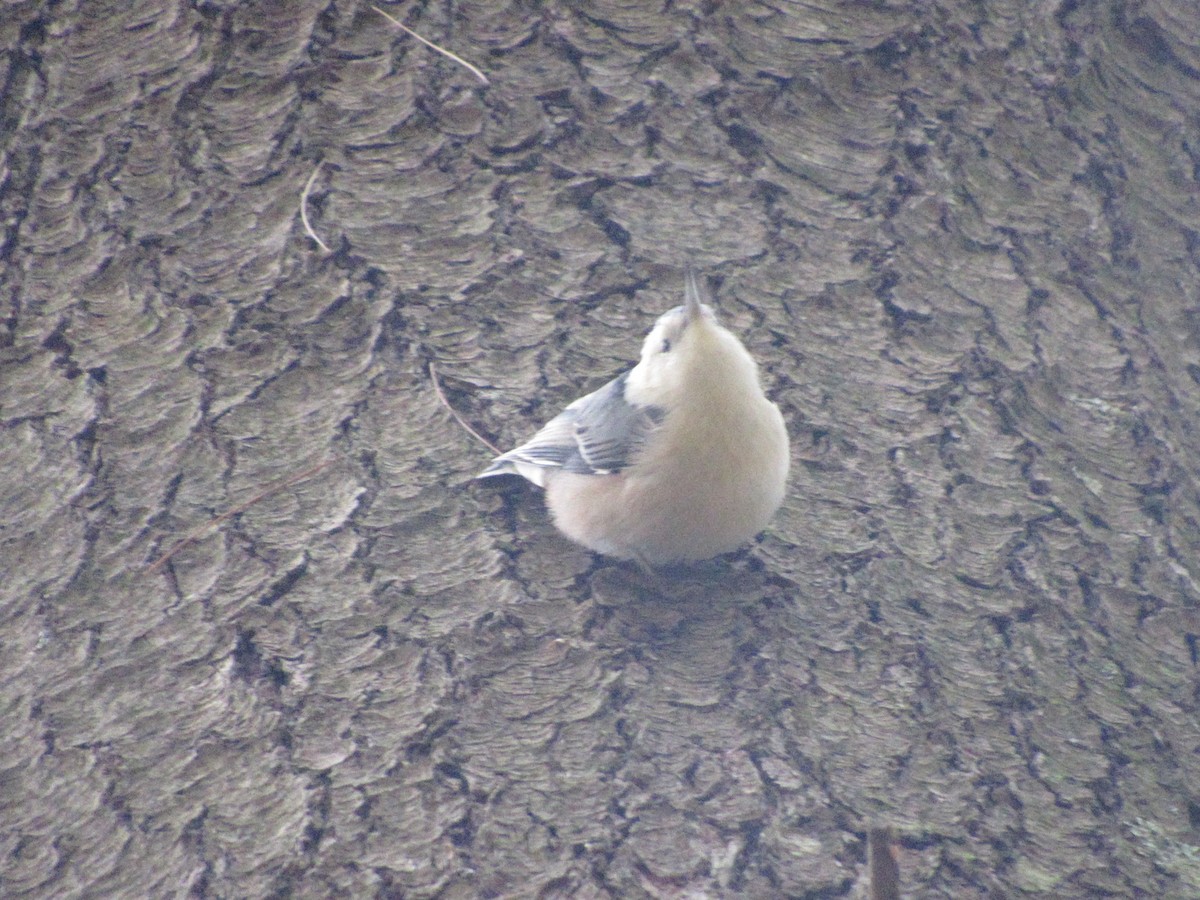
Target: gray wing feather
598	434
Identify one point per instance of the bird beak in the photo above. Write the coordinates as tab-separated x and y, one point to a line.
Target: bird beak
691	297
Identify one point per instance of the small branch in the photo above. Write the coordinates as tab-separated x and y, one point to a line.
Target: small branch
433	376
432	46
229	514
882	863
304	208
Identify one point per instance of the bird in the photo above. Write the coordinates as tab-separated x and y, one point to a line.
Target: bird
679	459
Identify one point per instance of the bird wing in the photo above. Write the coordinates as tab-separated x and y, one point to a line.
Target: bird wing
598	434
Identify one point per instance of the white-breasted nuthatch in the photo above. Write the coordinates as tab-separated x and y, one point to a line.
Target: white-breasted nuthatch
679	459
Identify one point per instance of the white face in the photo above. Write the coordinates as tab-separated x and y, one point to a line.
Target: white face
666	354
664	338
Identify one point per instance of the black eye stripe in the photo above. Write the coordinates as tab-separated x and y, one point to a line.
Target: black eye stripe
666	345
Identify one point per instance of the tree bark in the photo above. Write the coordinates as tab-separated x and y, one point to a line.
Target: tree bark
262	635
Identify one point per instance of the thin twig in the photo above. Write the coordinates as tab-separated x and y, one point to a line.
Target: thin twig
432	46
304	208
241	507
433	376
883	865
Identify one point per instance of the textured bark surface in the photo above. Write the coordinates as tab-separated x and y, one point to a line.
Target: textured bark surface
962	238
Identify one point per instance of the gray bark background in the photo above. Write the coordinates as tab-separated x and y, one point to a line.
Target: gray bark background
962	238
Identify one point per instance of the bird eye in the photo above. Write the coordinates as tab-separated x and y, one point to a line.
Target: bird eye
666	346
